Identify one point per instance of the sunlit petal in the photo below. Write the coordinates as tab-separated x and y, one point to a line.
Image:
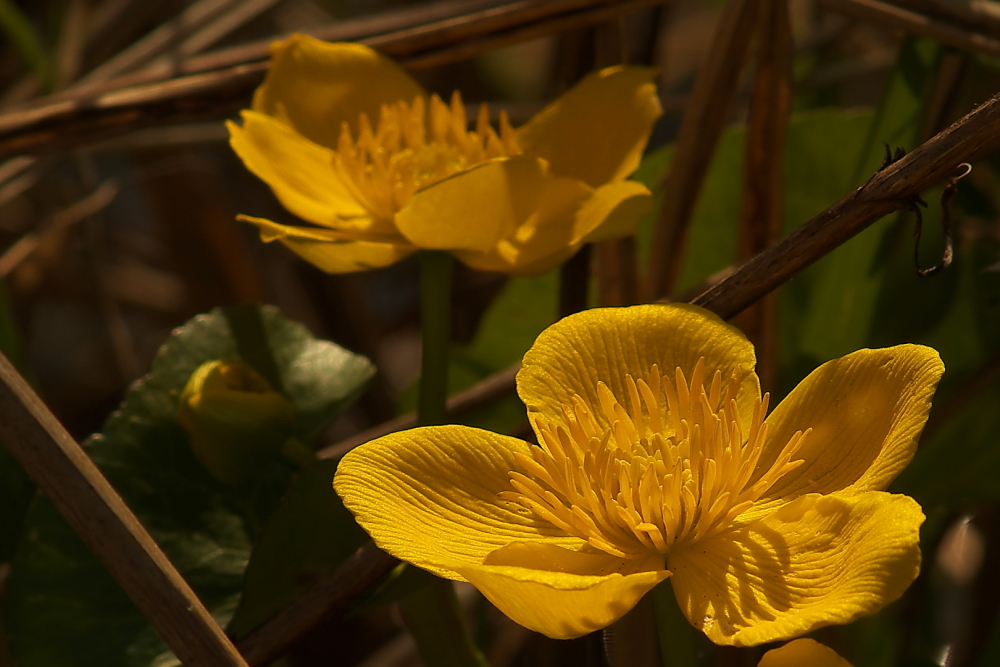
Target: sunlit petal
330	250
605	344
819	560
560	593
866	411
478	209
299	172
314	87
612	212
430	496
597	130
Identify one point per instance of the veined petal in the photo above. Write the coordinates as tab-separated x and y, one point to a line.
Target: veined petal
819	560
430	496
866	411
331	250
604	344
613	211
560	593
300	173
802	652
598	129
502	199
315	87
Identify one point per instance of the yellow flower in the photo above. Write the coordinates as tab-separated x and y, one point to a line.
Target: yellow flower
235	419
802	653
656	460
350	142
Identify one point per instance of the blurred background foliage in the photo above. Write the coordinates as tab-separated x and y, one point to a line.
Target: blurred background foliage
106	249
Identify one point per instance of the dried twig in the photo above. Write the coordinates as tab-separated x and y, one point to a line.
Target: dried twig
704	118
330	595
482	393
918	24
87	115
761	201
26	246
974	137
970	15
97	513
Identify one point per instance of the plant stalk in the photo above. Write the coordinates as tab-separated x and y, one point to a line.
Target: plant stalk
432	613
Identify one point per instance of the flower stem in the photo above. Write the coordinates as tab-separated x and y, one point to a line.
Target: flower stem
677	637
435	324
432	613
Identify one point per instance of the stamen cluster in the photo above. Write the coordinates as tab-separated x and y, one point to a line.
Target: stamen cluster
654	478
385	166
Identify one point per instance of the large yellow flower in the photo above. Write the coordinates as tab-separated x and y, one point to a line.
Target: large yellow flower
350	142
657	459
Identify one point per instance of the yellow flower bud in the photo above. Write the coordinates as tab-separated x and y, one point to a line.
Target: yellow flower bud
235	419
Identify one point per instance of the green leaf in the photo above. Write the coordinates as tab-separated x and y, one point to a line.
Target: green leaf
57	589
307	536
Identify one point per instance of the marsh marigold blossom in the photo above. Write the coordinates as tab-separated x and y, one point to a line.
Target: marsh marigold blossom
351	143
802	653
657	459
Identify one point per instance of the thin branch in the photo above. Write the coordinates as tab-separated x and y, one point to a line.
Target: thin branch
482	393
762	192
917	24
705	117
26	246
970	15
329	596
97	513
972	138
61	122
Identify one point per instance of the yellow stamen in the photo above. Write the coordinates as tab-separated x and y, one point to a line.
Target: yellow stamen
388	164
634	486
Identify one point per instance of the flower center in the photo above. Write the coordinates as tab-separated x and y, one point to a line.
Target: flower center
676	467
384	167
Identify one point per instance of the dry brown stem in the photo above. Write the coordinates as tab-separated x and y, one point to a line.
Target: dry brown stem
917	24
223	83
330	595
65	474
761	201
705	116
974	137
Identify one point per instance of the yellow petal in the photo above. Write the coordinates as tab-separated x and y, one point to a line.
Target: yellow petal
819	560
330	250
429	496
866	411
604	344
507	260
300	173
550	237
560	593
315	86
598	129
499	200
803	652
613	211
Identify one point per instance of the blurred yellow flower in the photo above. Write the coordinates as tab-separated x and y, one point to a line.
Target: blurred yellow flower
655	460
350	142
802	653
